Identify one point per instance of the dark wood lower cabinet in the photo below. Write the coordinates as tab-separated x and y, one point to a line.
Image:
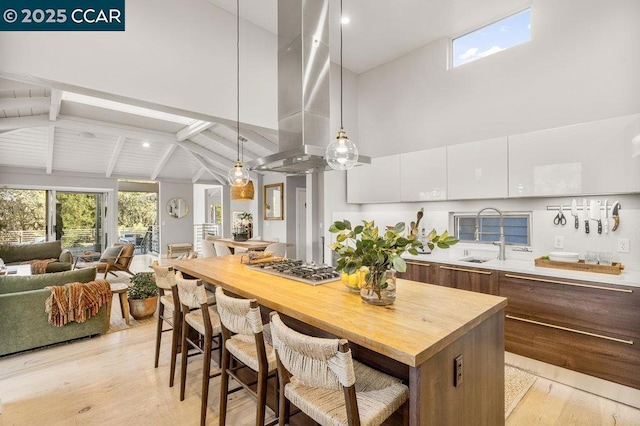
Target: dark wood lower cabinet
423	272
583	326
472	279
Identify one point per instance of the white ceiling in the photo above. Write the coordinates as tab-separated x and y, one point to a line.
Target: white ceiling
39	130
382	30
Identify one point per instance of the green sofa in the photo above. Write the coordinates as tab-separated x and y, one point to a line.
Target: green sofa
23	322
16	254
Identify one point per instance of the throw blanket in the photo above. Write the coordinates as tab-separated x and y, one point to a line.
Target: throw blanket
39	266
76	301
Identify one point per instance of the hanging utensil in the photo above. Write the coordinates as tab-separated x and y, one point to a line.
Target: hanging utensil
594	213
560	219
605	222
616	217
585	215
574	212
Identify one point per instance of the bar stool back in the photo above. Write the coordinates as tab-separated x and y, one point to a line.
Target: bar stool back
243	339
166	282
321	378
202	318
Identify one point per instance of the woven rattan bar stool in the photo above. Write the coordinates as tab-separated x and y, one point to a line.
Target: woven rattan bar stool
320	377
243	340
166	282
202	318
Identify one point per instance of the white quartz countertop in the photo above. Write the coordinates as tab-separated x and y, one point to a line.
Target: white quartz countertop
526	266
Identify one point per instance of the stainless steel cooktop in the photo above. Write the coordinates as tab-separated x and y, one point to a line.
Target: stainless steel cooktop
308	273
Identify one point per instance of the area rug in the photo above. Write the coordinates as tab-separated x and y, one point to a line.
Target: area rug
117	322
517	383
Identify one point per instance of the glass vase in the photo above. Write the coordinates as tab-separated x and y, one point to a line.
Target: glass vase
380	289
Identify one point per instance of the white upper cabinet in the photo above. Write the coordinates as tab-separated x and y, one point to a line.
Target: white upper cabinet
587	158
378	182
477	169
423	175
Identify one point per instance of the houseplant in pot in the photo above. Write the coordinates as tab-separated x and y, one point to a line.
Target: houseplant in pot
377	254
143	295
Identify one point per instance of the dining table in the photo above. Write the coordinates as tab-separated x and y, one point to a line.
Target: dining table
255	245
430	332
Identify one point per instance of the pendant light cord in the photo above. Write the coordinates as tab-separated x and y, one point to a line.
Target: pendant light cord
238	75
341	124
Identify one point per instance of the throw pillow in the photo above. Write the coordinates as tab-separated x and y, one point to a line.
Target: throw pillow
111	253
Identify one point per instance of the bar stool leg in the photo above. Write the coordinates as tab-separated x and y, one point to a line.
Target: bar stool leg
206	371
159	334
184	350
224	385
175	342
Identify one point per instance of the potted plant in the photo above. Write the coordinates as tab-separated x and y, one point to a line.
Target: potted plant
242	226
363	249
143	295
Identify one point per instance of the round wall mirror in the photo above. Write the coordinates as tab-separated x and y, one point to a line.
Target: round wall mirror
177	208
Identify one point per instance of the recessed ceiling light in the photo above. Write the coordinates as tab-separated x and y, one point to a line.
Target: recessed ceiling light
146	144
345	20
87	135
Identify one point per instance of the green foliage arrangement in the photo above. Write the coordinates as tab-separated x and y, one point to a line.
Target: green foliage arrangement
365	245
142	286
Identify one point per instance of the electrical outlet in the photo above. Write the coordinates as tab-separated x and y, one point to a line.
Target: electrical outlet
558	242
623	245
457	371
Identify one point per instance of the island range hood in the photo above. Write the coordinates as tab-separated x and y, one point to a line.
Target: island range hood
303	90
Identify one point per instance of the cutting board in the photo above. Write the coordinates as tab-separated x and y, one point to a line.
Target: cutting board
614	269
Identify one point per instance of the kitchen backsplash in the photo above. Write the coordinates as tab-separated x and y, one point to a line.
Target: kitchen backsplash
439	215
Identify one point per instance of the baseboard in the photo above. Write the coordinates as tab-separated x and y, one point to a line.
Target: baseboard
606	389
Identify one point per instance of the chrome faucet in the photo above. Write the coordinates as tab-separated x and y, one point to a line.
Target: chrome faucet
501	254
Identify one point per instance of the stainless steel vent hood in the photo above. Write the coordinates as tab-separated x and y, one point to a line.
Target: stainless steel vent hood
303	89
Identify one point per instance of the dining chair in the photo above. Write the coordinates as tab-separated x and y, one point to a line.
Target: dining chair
203	319
243	340
278	249
221	249
208	250
320	377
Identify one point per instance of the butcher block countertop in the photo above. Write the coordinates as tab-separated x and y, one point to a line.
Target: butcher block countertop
424	318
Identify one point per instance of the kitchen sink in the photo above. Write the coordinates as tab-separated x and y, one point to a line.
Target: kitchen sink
475	259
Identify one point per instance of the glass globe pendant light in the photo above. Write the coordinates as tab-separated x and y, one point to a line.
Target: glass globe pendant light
342	153
238	175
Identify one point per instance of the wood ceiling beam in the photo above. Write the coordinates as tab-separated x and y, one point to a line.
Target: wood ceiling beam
198	174
56	102
215	159
25	102
96	126
248	133
213	171
50	142
249	155
193	129
115	155
15	123
163	161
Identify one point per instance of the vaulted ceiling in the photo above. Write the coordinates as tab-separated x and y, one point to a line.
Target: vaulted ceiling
43	129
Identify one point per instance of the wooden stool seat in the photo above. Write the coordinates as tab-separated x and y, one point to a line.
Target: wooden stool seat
121	290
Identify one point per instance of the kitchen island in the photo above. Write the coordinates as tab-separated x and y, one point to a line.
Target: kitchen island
417	338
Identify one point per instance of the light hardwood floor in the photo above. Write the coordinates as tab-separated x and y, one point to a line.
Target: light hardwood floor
111	380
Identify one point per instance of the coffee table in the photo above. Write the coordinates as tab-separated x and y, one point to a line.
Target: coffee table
13	270
87	257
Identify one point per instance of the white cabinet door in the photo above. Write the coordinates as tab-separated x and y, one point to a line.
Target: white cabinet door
582	159
378	182
423	175
477	169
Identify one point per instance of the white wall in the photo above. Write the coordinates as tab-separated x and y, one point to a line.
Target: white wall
581	65
174	230
180	54
272	229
